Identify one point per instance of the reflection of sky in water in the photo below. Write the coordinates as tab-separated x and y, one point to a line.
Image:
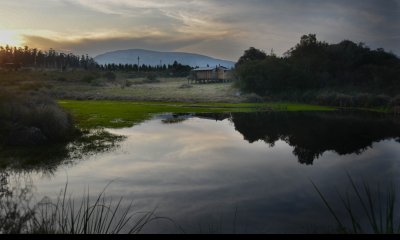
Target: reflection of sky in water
199	172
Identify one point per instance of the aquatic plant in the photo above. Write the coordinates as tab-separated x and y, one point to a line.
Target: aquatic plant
65	216
379	208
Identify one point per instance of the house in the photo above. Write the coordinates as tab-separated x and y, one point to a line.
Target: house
210	74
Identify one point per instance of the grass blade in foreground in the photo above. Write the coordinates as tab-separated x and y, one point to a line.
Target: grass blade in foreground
381	215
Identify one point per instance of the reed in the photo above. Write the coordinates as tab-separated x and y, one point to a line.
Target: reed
66	216
379	209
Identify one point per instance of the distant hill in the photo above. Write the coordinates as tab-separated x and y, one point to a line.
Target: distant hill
153	58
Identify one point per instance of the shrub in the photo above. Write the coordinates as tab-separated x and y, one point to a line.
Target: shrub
31	120
88	78
185	86
110	76
326	98
151	78
307	96
34	86
343	100
253	98
363	100
395	101
97	83
380	100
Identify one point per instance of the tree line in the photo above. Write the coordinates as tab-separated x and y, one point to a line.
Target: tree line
175	69
33	57
317	65
16	57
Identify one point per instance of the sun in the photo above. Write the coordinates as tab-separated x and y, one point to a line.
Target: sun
9	37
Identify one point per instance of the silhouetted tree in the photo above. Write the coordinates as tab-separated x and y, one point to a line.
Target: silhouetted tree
27	57
313	65
252	54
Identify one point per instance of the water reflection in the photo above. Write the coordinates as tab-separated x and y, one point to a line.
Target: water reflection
48	158
200	171
313	134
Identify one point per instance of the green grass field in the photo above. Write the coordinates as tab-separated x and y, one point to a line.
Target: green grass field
119	114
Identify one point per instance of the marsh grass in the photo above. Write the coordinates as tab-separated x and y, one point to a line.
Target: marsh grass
66	216
87	217
95	114
379	209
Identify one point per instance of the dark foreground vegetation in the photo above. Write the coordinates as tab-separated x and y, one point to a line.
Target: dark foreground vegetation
378	206
31	119
367	209
20	215
37	134
344	74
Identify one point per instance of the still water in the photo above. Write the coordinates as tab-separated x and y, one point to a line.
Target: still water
236	173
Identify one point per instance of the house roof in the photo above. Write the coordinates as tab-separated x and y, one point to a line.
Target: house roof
204	69
209	68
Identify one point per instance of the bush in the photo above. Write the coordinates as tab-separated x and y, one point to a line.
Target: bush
128	83
253	98
34	86
395	101
328	99
343	100
380	100
185	86
151	78
31	120
110	76
363	100
88	78
308	96
97	83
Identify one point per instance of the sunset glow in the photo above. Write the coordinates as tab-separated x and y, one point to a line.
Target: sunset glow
8	37
218	28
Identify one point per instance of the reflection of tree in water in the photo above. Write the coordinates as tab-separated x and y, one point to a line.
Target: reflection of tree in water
312	134
47	158
16	164
4	188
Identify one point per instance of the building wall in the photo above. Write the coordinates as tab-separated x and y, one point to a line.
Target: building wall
219	74
204	75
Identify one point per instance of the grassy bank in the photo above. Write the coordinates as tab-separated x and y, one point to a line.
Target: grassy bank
118	114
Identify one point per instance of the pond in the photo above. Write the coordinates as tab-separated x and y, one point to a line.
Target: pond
234	173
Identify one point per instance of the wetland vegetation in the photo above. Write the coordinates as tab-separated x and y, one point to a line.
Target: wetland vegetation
210	145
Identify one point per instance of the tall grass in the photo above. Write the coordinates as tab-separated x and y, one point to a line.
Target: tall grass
378	208
66	216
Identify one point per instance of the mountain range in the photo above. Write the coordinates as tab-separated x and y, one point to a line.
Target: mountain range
155	58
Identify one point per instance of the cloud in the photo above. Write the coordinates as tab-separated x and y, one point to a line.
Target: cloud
221	28
94	46
128	6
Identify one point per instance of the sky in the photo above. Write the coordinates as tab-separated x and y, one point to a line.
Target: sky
217	28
